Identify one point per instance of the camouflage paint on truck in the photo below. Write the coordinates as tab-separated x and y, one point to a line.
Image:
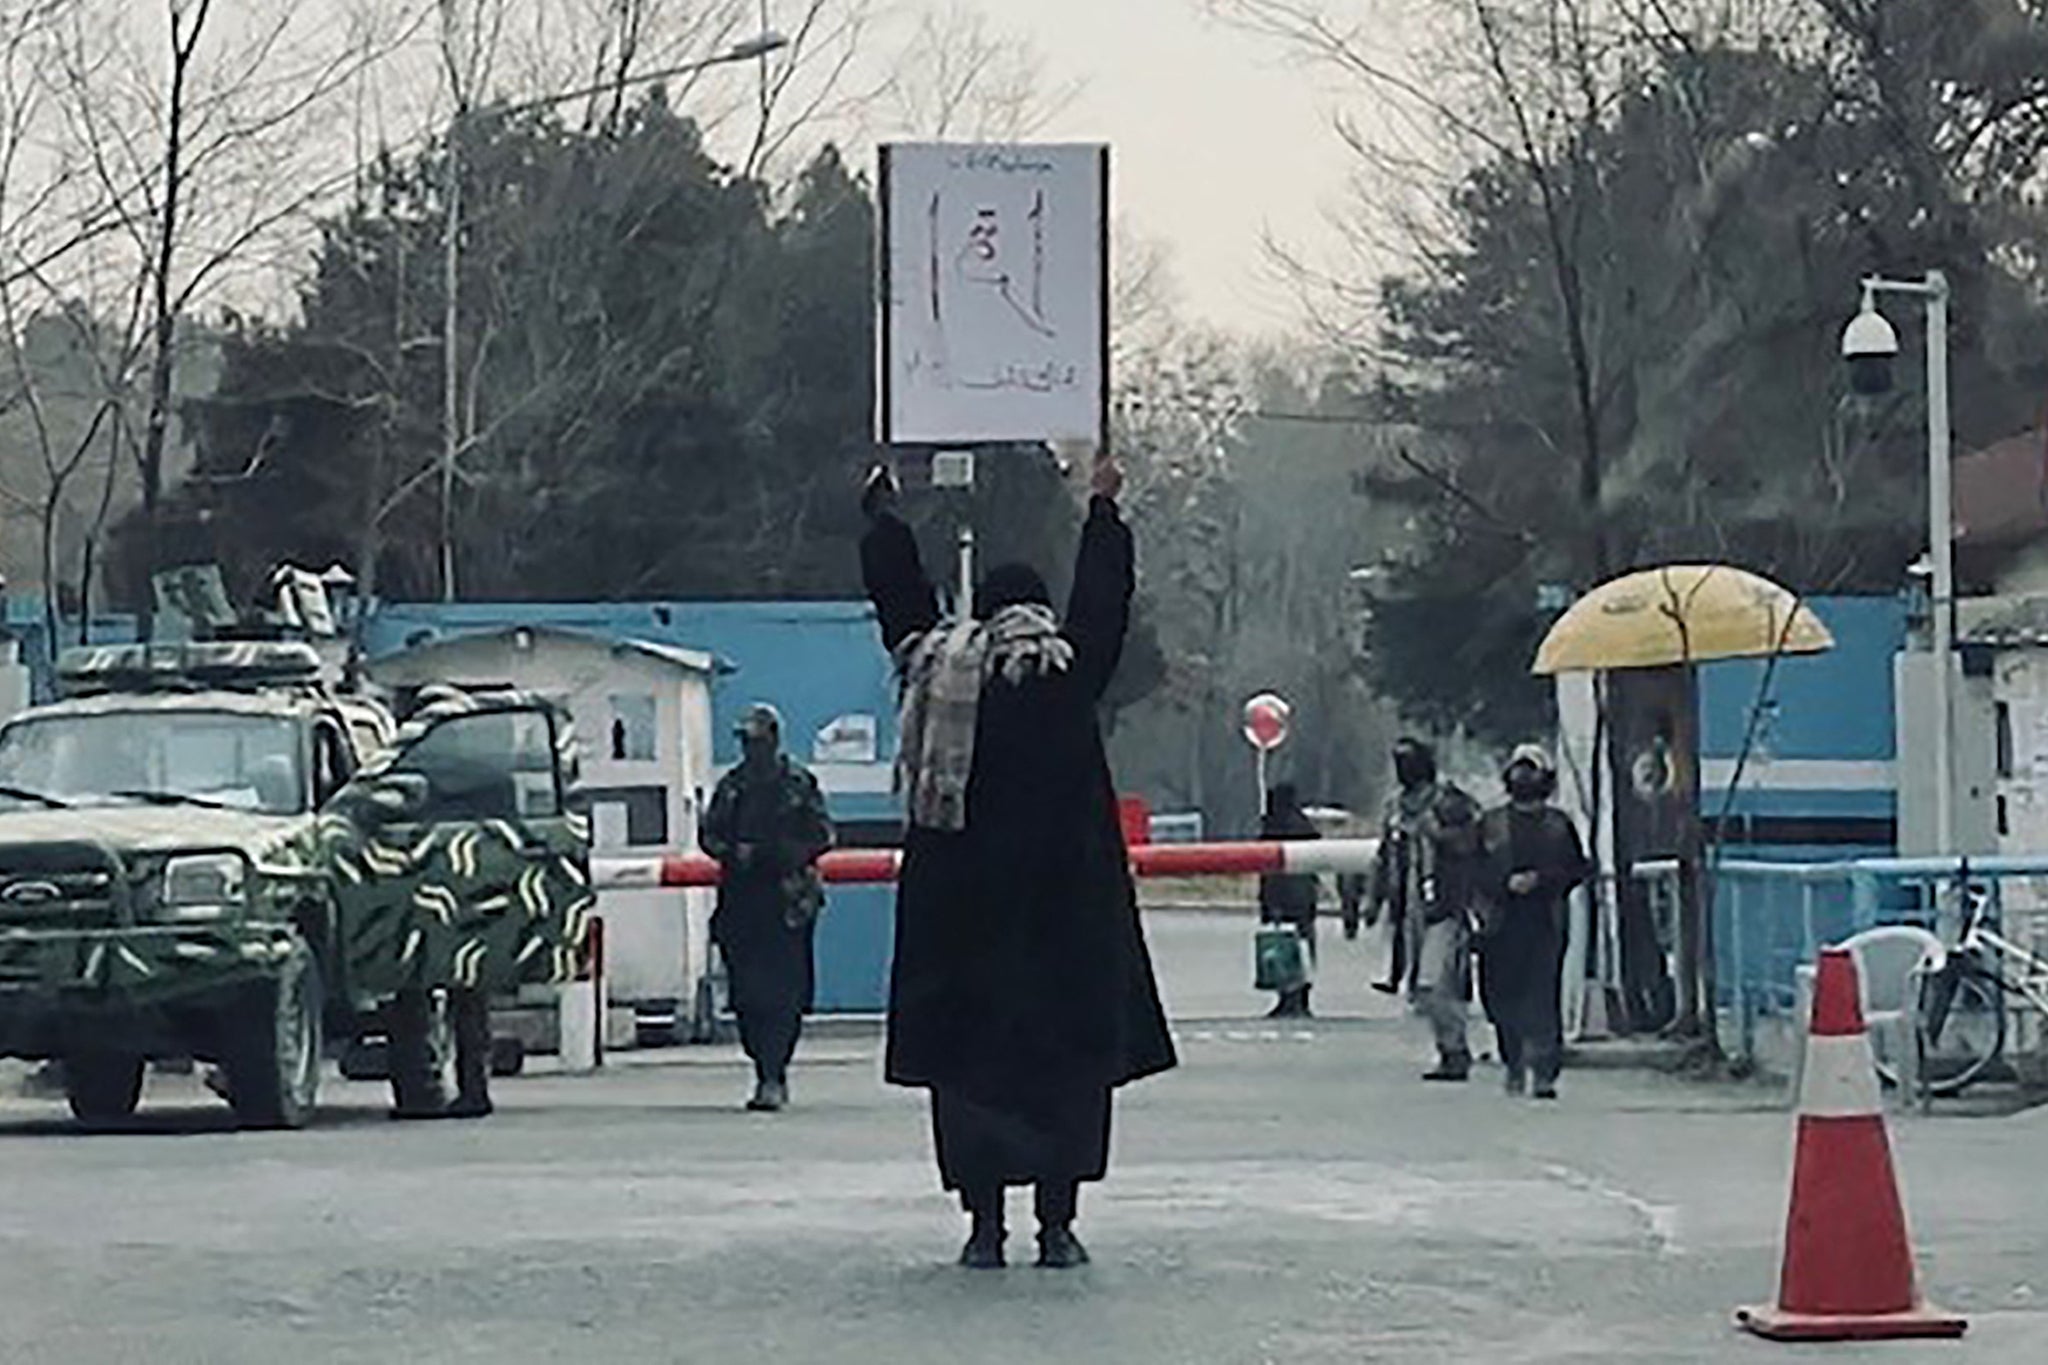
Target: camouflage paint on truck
86	894
450	885
197	858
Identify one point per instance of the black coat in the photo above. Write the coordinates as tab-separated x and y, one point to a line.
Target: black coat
1020	961
1289	897
1529	928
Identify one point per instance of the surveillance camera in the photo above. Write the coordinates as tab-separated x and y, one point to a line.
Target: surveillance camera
1870	345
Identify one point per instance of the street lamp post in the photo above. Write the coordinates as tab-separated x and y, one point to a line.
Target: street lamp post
1869	345
756	48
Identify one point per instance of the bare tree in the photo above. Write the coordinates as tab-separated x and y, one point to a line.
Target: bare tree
193	124
45	387
1526	89
471	33
815	83
960	78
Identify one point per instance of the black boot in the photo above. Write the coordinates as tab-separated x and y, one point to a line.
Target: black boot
472	1105
1058	1247
1293	1004
984	1249
469	1014
1451	1066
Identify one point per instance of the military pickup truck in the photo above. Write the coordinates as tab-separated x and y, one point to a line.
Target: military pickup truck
205	854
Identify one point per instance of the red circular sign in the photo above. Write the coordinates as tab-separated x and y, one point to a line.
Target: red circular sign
1266	719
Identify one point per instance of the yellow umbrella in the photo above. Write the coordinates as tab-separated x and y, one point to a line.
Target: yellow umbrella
1680	614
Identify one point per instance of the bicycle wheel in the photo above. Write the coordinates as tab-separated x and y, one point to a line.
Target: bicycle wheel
1962	1027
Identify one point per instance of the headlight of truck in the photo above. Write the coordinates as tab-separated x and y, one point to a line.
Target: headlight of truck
203	886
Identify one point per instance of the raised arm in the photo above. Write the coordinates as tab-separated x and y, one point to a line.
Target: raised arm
1099	610
905	601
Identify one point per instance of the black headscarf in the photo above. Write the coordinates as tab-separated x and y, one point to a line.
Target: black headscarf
1414	763
1010	585
1284	818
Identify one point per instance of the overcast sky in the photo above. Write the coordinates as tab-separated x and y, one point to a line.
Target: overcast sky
1216	138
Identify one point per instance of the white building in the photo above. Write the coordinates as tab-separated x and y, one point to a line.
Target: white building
642	713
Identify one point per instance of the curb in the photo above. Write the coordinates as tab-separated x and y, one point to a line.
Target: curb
1624	1054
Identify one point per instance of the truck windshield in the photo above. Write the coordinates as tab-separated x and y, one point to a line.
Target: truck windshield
201	758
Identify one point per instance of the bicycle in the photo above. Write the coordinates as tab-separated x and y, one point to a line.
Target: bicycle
1964	992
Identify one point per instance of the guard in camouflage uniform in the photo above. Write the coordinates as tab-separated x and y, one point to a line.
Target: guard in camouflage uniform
767	828
415	1081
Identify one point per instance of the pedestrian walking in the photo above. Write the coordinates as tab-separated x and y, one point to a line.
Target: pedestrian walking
416	1076
1534	862
1426	880
1288	898
767	828
1393	879
1022	993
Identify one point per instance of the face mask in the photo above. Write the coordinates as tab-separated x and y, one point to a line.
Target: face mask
1526	784
1412	770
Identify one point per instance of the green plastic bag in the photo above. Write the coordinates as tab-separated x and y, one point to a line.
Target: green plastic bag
1280	959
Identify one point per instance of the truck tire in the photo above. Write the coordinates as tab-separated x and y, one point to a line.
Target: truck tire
508	1056
103	1087
273	1048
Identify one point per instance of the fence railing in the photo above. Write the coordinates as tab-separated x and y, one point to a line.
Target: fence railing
1770	918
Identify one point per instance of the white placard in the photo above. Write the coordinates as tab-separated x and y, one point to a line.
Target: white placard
994	293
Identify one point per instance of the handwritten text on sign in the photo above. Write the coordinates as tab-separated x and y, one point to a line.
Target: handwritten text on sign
995	309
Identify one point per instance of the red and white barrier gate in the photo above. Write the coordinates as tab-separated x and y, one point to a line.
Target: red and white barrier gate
871	866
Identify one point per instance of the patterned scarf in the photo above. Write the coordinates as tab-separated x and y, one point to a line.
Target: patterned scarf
944	671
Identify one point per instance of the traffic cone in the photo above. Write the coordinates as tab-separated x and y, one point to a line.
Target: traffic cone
1848	1273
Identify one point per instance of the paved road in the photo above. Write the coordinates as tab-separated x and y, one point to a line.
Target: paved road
1289	1195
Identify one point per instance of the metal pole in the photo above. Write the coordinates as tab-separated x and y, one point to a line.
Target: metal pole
598	986
970	462
1941	530
1738	946
966	587
451	376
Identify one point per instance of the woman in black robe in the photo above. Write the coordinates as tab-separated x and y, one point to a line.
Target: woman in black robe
1290	898
1021	993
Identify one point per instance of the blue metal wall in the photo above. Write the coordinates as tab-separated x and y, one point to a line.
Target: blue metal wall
24	619
1836	705
1818	781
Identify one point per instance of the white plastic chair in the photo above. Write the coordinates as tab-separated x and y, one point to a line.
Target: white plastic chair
1890	962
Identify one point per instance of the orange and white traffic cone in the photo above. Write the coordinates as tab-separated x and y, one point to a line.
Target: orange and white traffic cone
1848	1272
